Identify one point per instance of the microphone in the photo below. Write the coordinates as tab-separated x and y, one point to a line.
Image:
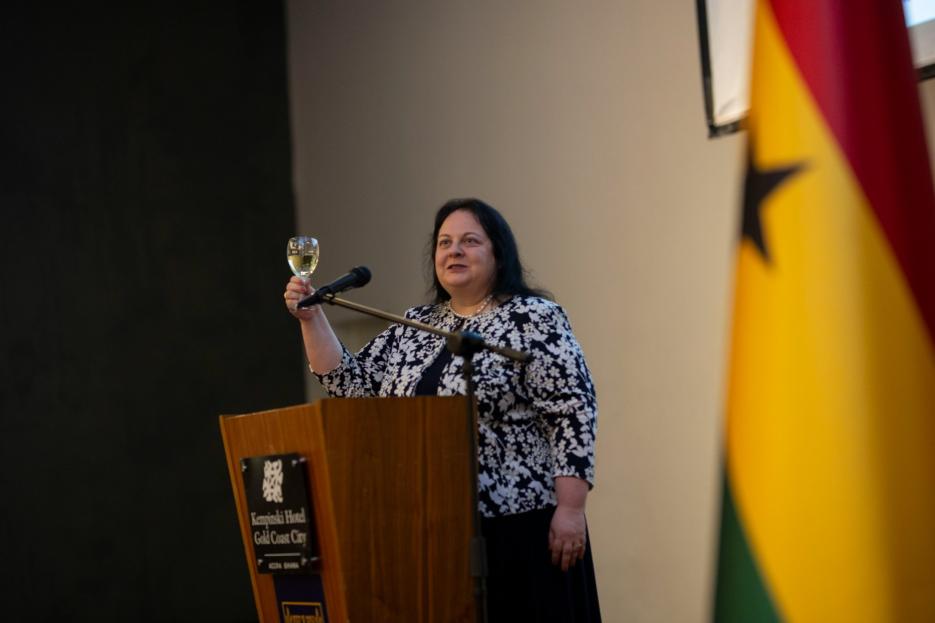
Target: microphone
356	278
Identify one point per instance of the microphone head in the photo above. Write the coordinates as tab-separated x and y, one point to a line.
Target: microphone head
362	273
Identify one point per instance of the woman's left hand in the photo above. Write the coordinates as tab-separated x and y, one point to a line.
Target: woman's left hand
567	536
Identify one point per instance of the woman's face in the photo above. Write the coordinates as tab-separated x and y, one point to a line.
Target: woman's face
464	259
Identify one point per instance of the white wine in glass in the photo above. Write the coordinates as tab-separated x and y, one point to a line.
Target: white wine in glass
302	254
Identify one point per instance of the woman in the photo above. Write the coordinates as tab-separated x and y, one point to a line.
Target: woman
536	420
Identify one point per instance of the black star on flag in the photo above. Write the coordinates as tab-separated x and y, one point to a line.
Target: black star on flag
757	186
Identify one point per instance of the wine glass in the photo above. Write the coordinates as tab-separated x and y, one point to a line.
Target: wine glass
302	255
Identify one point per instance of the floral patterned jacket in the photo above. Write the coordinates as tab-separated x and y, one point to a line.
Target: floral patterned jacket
536	420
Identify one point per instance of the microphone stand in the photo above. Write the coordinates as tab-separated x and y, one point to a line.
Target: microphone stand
465	344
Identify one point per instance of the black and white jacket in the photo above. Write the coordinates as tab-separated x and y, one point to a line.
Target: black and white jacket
536	420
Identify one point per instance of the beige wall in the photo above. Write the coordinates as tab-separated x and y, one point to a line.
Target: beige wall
583	123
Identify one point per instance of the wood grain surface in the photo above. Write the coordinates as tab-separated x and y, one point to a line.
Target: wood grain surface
390	486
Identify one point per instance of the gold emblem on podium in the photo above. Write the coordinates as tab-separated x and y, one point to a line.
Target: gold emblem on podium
303	612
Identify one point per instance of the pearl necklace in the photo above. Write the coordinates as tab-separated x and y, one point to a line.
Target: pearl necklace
477	312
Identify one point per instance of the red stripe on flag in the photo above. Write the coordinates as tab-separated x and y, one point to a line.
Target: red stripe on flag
855	57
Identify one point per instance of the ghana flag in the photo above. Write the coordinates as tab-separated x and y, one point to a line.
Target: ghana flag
829	475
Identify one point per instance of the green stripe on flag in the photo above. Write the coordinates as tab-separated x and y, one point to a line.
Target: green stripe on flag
741	596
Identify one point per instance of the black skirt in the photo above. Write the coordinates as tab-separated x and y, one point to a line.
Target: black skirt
524	585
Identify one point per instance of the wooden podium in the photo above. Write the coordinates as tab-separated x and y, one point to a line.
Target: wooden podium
389	483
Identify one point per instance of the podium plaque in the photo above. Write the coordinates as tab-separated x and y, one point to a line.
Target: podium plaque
279	512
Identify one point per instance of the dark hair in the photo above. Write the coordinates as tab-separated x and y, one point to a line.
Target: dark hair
511	276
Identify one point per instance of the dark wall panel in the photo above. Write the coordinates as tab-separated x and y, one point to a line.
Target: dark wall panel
146	200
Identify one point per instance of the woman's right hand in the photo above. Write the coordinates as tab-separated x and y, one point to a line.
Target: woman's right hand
296	290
